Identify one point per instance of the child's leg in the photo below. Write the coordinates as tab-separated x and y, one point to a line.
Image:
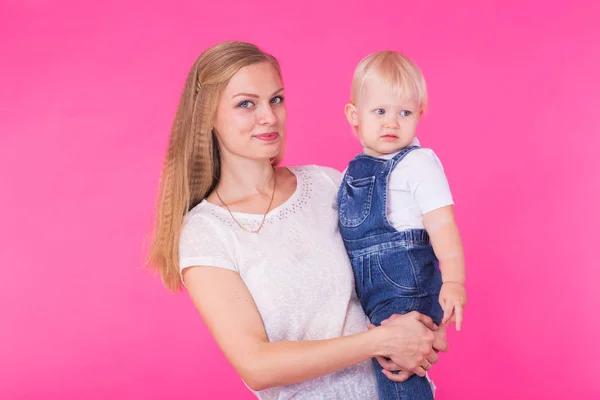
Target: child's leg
416	387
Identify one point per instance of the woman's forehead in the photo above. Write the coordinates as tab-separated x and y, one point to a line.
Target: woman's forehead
259	79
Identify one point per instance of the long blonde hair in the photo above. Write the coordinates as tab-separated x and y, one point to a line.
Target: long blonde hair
192	164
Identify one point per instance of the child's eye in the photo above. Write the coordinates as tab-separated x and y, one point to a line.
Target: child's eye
245	104
277	100
405	113
380	111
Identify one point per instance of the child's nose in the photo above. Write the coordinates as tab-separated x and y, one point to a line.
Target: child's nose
392	123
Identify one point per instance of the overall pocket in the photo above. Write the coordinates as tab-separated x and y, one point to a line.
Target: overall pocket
355	200
396	268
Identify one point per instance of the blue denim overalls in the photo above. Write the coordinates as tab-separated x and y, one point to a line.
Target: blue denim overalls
395	271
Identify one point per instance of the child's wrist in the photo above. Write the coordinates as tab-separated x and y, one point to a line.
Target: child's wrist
454	281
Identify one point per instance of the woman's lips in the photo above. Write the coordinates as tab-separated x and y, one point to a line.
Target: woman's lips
267	137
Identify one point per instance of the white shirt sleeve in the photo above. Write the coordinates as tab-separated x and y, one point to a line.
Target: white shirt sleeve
421	173
203	244
333	174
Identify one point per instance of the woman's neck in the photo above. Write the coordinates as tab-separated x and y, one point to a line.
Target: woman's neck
243	177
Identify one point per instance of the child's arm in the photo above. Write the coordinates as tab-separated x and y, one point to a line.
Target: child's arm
447	245
423	173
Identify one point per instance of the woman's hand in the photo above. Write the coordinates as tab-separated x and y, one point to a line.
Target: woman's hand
433	339
390	369
439	343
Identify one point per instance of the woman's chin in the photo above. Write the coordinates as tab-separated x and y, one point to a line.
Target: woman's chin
268	154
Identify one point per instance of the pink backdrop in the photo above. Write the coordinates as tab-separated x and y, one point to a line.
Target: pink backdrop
86	102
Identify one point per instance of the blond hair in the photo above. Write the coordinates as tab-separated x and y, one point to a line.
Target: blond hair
395	70
192	165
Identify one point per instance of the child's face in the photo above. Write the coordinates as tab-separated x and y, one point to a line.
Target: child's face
384	122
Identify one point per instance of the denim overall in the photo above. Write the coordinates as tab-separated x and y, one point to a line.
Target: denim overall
395	271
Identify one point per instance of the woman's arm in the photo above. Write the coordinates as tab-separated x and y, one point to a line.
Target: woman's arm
230	314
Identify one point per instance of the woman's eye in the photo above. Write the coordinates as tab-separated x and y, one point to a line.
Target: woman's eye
380	111
405	113
277	100
245	104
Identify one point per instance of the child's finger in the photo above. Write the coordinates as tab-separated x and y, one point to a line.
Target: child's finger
459	316
447	307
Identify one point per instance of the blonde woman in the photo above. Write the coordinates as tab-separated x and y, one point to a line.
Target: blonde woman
258	247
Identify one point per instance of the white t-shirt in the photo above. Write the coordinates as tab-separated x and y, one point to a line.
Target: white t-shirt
297	271
416	186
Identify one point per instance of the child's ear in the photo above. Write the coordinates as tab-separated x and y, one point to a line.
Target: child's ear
351	115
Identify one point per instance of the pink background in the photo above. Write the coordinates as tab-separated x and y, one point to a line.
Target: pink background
87	96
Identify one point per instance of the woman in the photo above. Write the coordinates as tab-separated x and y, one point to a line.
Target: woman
257	246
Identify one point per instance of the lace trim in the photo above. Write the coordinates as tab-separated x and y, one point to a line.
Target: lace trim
298	200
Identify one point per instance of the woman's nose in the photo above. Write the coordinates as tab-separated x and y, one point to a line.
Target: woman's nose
267	116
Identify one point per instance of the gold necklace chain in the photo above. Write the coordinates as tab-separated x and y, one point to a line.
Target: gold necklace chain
264	216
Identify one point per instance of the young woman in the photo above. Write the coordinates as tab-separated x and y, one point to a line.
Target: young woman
258	247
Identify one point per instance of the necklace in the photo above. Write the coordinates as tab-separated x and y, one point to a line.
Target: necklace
265	214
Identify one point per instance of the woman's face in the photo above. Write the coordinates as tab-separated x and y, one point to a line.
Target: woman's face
251	114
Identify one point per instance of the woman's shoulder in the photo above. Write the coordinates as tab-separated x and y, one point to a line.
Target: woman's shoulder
201	218
201	225
318	172
199	211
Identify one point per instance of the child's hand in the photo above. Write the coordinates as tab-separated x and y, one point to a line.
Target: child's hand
453	299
